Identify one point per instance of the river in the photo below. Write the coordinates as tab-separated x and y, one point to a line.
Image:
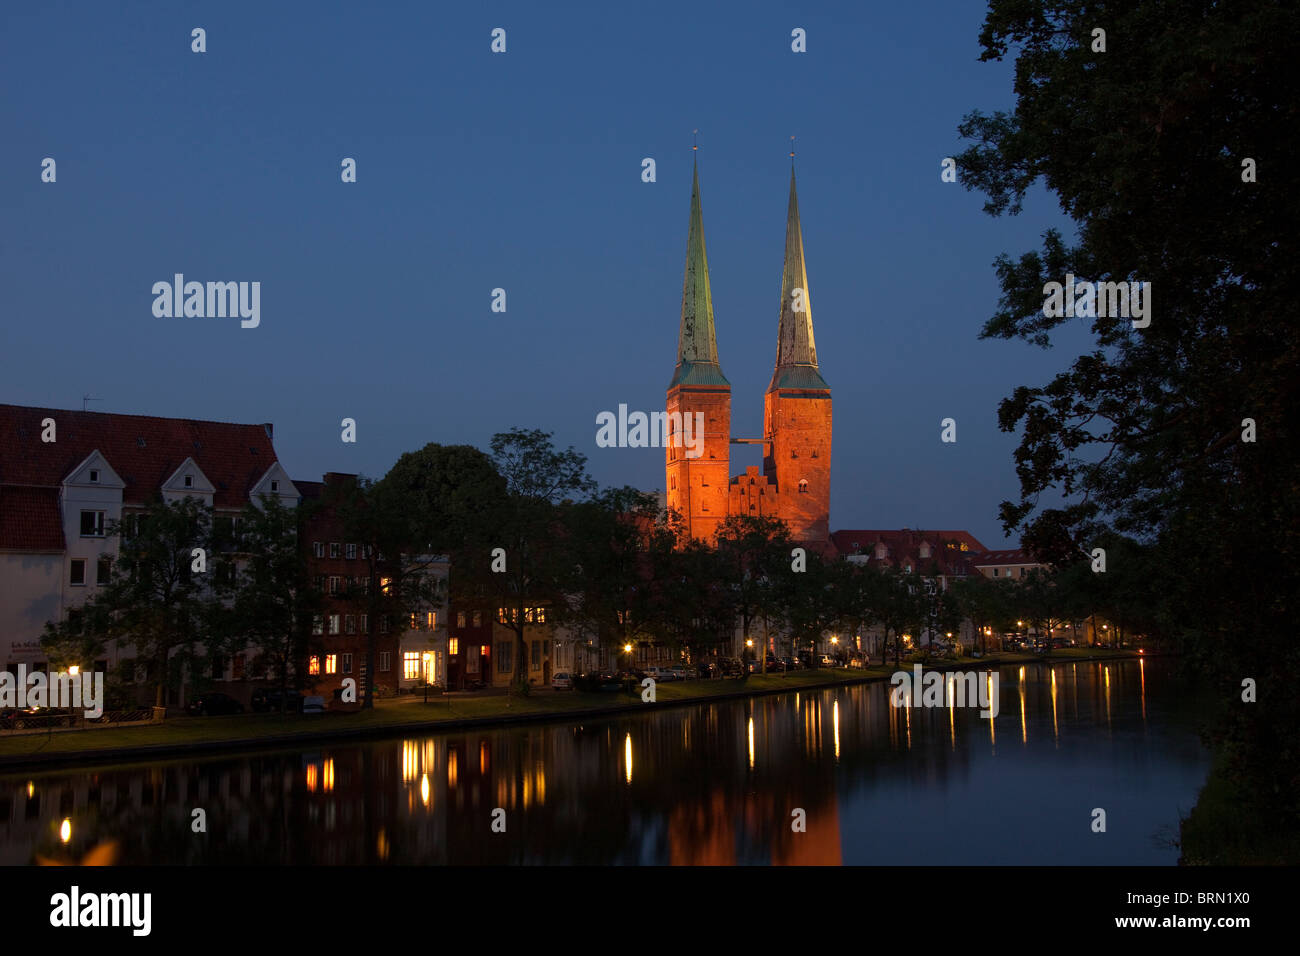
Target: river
816	777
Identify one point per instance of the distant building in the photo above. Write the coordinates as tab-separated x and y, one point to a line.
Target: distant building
795	481
1013	563
406	652
937	558
67	476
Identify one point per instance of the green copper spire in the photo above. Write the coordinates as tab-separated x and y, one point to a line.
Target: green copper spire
796	350
697	346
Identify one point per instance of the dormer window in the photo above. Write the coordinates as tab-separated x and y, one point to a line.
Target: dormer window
189	481
94	475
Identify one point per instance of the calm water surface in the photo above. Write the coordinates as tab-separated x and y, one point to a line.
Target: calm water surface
712	784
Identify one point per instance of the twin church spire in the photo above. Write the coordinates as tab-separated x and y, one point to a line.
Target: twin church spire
697	343
794	483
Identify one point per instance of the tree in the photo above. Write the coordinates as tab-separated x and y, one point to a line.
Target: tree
1042	603
818	599
898	603
271	602
1181	433
605	579
400	583
984	602
524	524
751	551
689	603
156	598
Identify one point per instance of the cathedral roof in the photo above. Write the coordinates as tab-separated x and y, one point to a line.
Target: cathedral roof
796	349
697	345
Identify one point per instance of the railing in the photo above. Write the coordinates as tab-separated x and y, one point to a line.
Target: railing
25	722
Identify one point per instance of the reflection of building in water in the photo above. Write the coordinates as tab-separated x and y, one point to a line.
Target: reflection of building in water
702	834
818	846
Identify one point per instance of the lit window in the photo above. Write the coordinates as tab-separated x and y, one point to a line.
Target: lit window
410	665
453	645
313	666
384	584
331	663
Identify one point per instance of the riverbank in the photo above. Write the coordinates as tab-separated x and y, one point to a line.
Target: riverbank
190	735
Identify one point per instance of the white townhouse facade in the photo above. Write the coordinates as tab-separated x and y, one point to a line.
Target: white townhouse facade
67	476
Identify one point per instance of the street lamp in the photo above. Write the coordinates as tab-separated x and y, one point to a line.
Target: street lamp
427	656
74	670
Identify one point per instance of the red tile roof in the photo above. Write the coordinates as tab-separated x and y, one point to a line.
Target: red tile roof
903	546
29	519
1013	556
144	451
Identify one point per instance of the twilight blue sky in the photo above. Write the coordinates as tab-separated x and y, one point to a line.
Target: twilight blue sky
521	171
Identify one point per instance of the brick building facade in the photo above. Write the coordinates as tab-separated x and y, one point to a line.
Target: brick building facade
795	481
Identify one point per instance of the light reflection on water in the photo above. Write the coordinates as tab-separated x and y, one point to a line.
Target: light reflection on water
712	784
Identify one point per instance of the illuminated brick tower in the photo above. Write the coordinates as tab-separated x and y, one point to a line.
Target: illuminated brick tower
697	487
797	406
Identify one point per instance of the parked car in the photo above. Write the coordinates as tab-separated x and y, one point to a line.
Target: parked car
706	668
679	672
267	700
730	667
562	681
212	704
791	663
313	705
659	674
32	717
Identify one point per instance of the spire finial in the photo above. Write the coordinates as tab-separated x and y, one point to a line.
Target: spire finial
791	151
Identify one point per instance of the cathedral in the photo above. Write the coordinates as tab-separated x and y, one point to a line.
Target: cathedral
795	481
